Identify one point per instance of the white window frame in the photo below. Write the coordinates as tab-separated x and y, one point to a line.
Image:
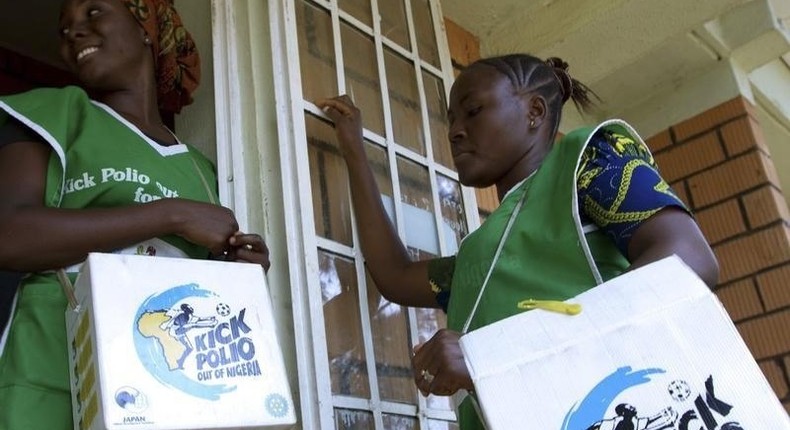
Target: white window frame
262	165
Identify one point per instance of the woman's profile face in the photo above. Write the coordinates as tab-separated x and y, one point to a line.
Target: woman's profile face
101	42
488	125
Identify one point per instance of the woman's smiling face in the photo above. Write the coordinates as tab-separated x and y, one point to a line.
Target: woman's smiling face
101	43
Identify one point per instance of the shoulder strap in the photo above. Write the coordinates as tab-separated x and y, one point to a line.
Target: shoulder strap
505	234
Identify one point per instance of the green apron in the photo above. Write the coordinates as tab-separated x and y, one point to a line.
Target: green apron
98	160
546	256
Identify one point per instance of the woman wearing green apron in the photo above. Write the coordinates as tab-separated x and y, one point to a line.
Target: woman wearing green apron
573	214
94	168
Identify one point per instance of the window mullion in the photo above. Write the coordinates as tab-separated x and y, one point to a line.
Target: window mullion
367	331
445	61
437	211
308	304
414	336
391	155
338	44
351	19
396	48
431	68
334	247
309	318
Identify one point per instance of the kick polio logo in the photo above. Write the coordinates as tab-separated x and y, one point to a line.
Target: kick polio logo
190	339
683	411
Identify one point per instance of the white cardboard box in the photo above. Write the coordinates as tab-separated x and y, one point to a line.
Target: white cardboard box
169	343
652	349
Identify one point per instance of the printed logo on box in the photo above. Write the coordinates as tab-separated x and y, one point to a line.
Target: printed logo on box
190	339
684	411
131	399
134	402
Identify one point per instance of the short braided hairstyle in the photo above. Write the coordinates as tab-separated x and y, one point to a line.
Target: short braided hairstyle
549	78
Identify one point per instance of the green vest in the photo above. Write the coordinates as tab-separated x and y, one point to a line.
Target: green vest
98	160
546	256
101	160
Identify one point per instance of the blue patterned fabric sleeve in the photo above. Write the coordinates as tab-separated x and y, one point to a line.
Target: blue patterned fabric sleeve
620	186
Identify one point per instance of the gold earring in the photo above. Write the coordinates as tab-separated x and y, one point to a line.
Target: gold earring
532	123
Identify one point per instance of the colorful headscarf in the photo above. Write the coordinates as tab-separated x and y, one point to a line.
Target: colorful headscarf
175	54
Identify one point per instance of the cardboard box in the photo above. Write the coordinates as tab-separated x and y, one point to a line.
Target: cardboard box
652	349
168	343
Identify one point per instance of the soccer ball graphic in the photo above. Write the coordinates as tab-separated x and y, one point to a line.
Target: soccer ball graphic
679	390
223	309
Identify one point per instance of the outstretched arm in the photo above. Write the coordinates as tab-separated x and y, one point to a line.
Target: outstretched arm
36	237
399	279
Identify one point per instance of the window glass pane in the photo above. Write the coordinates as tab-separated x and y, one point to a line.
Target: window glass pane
418	255
441	425
359	9
418	208
389	334
340	294
404	102
316	52
399	422
329	182
454	224
389	321
389	324
423	27
393	22
346	419
437	119
362	77
379	164
429	321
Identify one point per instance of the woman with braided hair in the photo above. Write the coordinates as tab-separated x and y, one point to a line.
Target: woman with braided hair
94	169
574	213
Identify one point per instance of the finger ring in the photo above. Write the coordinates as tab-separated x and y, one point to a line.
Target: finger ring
427	376
248	247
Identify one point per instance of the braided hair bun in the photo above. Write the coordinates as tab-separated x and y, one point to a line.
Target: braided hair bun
571	88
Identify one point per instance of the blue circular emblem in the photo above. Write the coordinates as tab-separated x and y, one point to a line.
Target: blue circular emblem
131	399
276	405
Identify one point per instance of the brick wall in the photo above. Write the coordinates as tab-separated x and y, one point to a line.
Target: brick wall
720	166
